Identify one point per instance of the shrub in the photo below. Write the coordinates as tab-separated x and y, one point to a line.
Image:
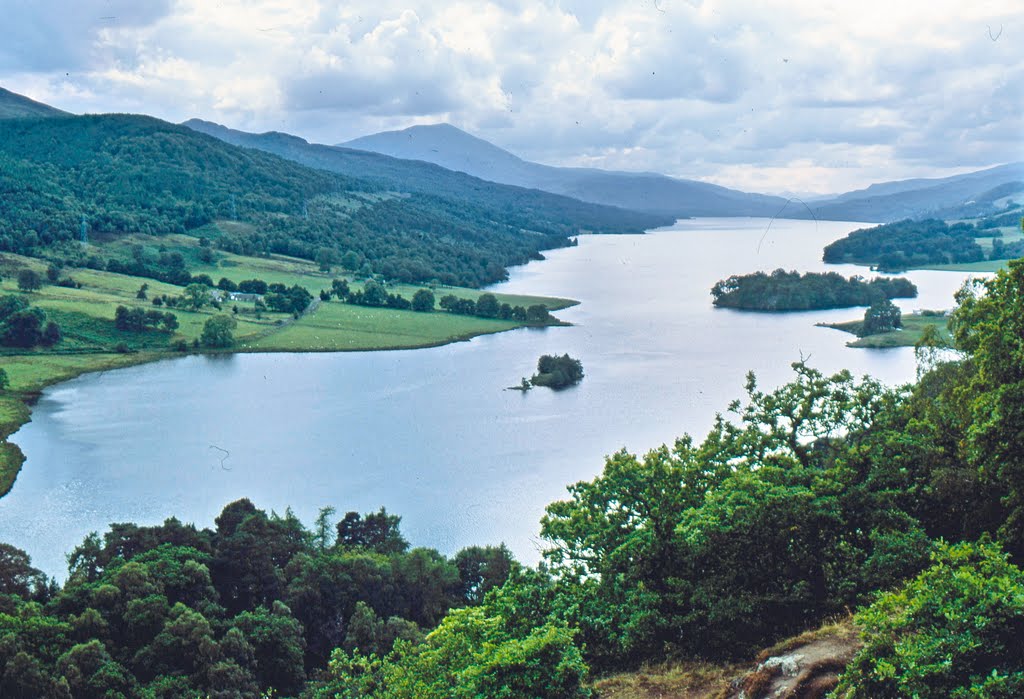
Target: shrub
953	631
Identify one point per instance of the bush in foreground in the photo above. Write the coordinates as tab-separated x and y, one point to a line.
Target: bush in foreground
952	632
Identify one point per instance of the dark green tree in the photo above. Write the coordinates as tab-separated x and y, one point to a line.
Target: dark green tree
29	279
487	306
375	531
881	317
423	301
219	332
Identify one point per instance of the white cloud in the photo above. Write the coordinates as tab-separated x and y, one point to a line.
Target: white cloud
776	95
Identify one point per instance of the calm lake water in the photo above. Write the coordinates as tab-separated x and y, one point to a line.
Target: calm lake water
431	434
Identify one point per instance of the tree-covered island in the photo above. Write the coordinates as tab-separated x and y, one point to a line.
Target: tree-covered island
792	291
554	372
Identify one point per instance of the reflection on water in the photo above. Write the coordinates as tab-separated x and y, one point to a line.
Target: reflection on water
432	434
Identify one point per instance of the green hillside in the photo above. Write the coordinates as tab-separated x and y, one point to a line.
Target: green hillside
133	174
513	204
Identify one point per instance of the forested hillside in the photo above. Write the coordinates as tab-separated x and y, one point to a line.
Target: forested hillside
801	503
15	106
515	204
131	174
906	244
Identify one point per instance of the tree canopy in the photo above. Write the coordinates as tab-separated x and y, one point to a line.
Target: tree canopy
792	291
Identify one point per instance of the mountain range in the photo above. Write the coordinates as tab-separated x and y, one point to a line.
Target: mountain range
118	175
442	160
443	144
452	148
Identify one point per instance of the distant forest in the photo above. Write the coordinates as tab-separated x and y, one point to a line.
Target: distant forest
792	291
122	174
905	244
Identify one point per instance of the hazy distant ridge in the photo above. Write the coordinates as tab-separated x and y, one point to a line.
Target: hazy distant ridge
449	147
443	144
15	106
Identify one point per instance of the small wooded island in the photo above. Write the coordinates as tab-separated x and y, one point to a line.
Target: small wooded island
554	372
792	291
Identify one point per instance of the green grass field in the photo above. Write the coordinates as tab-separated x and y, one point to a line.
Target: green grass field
91	339
338	326
913	328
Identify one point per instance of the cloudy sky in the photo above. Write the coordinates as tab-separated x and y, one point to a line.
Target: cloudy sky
803	96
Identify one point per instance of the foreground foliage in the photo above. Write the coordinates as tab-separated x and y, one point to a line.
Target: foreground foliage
256	604
953	632
804	501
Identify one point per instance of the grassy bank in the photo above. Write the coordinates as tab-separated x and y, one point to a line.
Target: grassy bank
92	342
914	325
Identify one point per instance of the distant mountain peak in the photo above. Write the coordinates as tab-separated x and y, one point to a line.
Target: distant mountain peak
15	106
447	146
454	149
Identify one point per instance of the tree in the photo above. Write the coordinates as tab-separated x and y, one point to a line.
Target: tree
5	380
339	287
218	332
196	296
350	260
141	293
29	280
374	293
23	328
511	646
487	306
277	643
323	537
376	531
881	317
538	313
51	334
719	547
988	326
423	301
557	372
325	257
482	569
17	576
252	286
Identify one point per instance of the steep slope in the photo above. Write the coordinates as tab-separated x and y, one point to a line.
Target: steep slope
133	174
454	149
15	106
445	145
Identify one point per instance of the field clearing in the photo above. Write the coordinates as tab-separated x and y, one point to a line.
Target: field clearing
914	326
984	266
342	327
290	271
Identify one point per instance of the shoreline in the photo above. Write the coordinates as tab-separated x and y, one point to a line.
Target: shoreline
16	405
